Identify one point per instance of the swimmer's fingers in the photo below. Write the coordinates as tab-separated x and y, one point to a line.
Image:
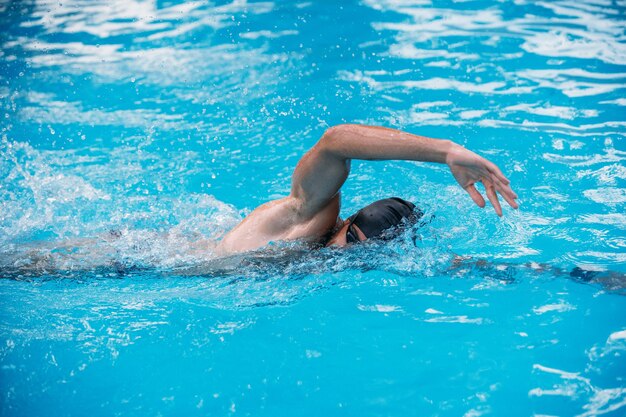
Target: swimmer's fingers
506	192
495	171
473	192
490	189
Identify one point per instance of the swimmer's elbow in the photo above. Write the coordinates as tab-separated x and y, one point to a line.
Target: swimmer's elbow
336	132
332	140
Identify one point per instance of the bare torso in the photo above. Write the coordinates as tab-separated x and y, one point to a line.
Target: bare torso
279	220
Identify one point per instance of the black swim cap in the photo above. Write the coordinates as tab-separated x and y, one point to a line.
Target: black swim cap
381	215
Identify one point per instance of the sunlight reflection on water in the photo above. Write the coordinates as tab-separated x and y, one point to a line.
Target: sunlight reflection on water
132	130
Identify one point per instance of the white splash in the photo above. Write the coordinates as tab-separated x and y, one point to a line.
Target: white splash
558	308
380	308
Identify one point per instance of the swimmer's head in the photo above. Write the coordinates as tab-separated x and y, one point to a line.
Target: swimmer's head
381	220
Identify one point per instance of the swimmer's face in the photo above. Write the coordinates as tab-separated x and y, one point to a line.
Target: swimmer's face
347	232
381	220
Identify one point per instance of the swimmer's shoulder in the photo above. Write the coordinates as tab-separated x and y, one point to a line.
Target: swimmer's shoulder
279	220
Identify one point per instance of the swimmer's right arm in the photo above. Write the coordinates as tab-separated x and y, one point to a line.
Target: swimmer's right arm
323	170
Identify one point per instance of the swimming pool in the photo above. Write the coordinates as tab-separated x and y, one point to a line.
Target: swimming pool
131	129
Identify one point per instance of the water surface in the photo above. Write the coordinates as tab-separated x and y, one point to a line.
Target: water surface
133	130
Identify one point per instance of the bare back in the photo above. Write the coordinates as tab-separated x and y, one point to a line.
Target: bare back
280	220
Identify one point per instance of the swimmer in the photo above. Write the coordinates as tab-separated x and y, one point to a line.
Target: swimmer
311	211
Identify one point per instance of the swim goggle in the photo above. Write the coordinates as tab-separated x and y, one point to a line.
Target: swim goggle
351	234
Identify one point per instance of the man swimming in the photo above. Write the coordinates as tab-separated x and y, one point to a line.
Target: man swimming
311	211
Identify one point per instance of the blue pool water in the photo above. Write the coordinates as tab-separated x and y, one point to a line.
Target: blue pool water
130	130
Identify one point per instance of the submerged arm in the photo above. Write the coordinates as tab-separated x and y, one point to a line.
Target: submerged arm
323	170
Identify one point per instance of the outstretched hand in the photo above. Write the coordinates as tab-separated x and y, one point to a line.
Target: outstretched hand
469	168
